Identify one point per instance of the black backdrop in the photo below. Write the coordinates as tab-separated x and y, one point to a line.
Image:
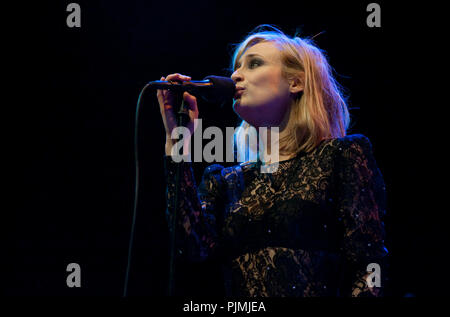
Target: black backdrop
72	141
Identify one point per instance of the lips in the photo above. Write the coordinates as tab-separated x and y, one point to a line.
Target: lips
239	92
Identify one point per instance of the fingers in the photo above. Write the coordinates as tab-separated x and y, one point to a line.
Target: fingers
165	99
177	77
159	92
191	101
171	77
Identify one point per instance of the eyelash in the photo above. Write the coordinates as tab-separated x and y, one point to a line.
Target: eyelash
252	62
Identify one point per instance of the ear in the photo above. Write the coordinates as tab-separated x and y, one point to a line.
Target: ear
295	85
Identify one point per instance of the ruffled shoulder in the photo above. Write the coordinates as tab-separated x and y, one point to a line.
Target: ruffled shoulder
354	141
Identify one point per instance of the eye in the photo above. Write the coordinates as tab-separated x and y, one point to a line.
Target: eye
254	63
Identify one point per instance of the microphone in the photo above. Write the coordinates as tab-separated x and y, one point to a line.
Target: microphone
214	89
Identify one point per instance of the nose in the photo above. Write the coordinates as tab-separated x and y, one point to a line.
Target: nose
236	76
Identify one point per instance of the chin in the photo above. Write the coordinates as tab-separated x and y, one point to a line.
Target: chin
240	107
240	104
247	113
237	106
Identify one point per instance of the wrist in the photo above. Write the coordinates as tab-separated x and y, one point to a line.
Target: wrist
168	147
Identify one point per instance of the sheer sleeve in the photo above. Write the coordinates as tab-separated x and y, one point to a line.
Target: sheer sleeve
198	209
361	204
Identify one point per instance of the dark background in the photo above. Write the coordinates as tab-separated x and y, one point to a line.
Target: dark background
73	128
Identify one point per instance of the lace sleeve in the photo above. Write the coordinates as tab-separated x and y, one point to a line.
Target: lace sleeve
196	224
361	204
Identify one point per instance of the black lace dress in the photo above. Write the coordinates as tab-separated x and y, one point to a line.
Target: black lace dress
308	229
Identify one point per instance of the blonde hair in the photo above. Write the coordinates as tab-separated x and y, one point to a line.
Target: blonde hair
320	111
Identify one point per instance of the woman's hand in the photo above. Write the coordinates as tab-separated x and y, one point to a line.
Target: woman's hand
167	108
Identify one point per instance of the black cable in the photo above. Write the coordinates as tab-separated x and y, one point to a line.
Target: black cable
136	192
182	118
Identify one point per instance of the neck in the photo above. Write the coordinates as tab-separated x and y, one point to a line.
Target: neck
271	142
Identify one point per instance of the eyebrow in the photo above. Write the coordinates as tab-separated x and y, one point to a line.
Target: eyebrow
248	56
253	54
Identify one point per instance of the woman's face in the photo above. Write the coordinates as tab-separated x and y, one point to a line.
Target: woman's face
263	95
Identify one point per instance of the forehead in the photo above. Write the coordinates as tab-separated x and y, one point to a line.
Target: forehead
266	49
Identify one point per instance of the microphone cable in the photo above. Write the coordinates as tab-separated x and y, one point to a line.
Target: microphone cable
136	192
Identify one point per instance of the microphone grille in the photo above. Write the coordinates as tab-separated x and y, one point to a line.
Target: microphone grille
223	89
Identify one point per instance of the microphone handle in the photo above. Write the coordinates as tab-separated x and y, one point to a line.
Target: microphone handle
181	86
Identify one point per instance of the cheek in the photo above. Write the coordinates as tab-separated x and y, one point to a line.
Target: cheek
270	87
268	80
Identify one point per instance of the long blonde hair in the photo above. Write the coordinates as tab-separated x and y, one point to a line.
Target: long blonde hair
320	111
